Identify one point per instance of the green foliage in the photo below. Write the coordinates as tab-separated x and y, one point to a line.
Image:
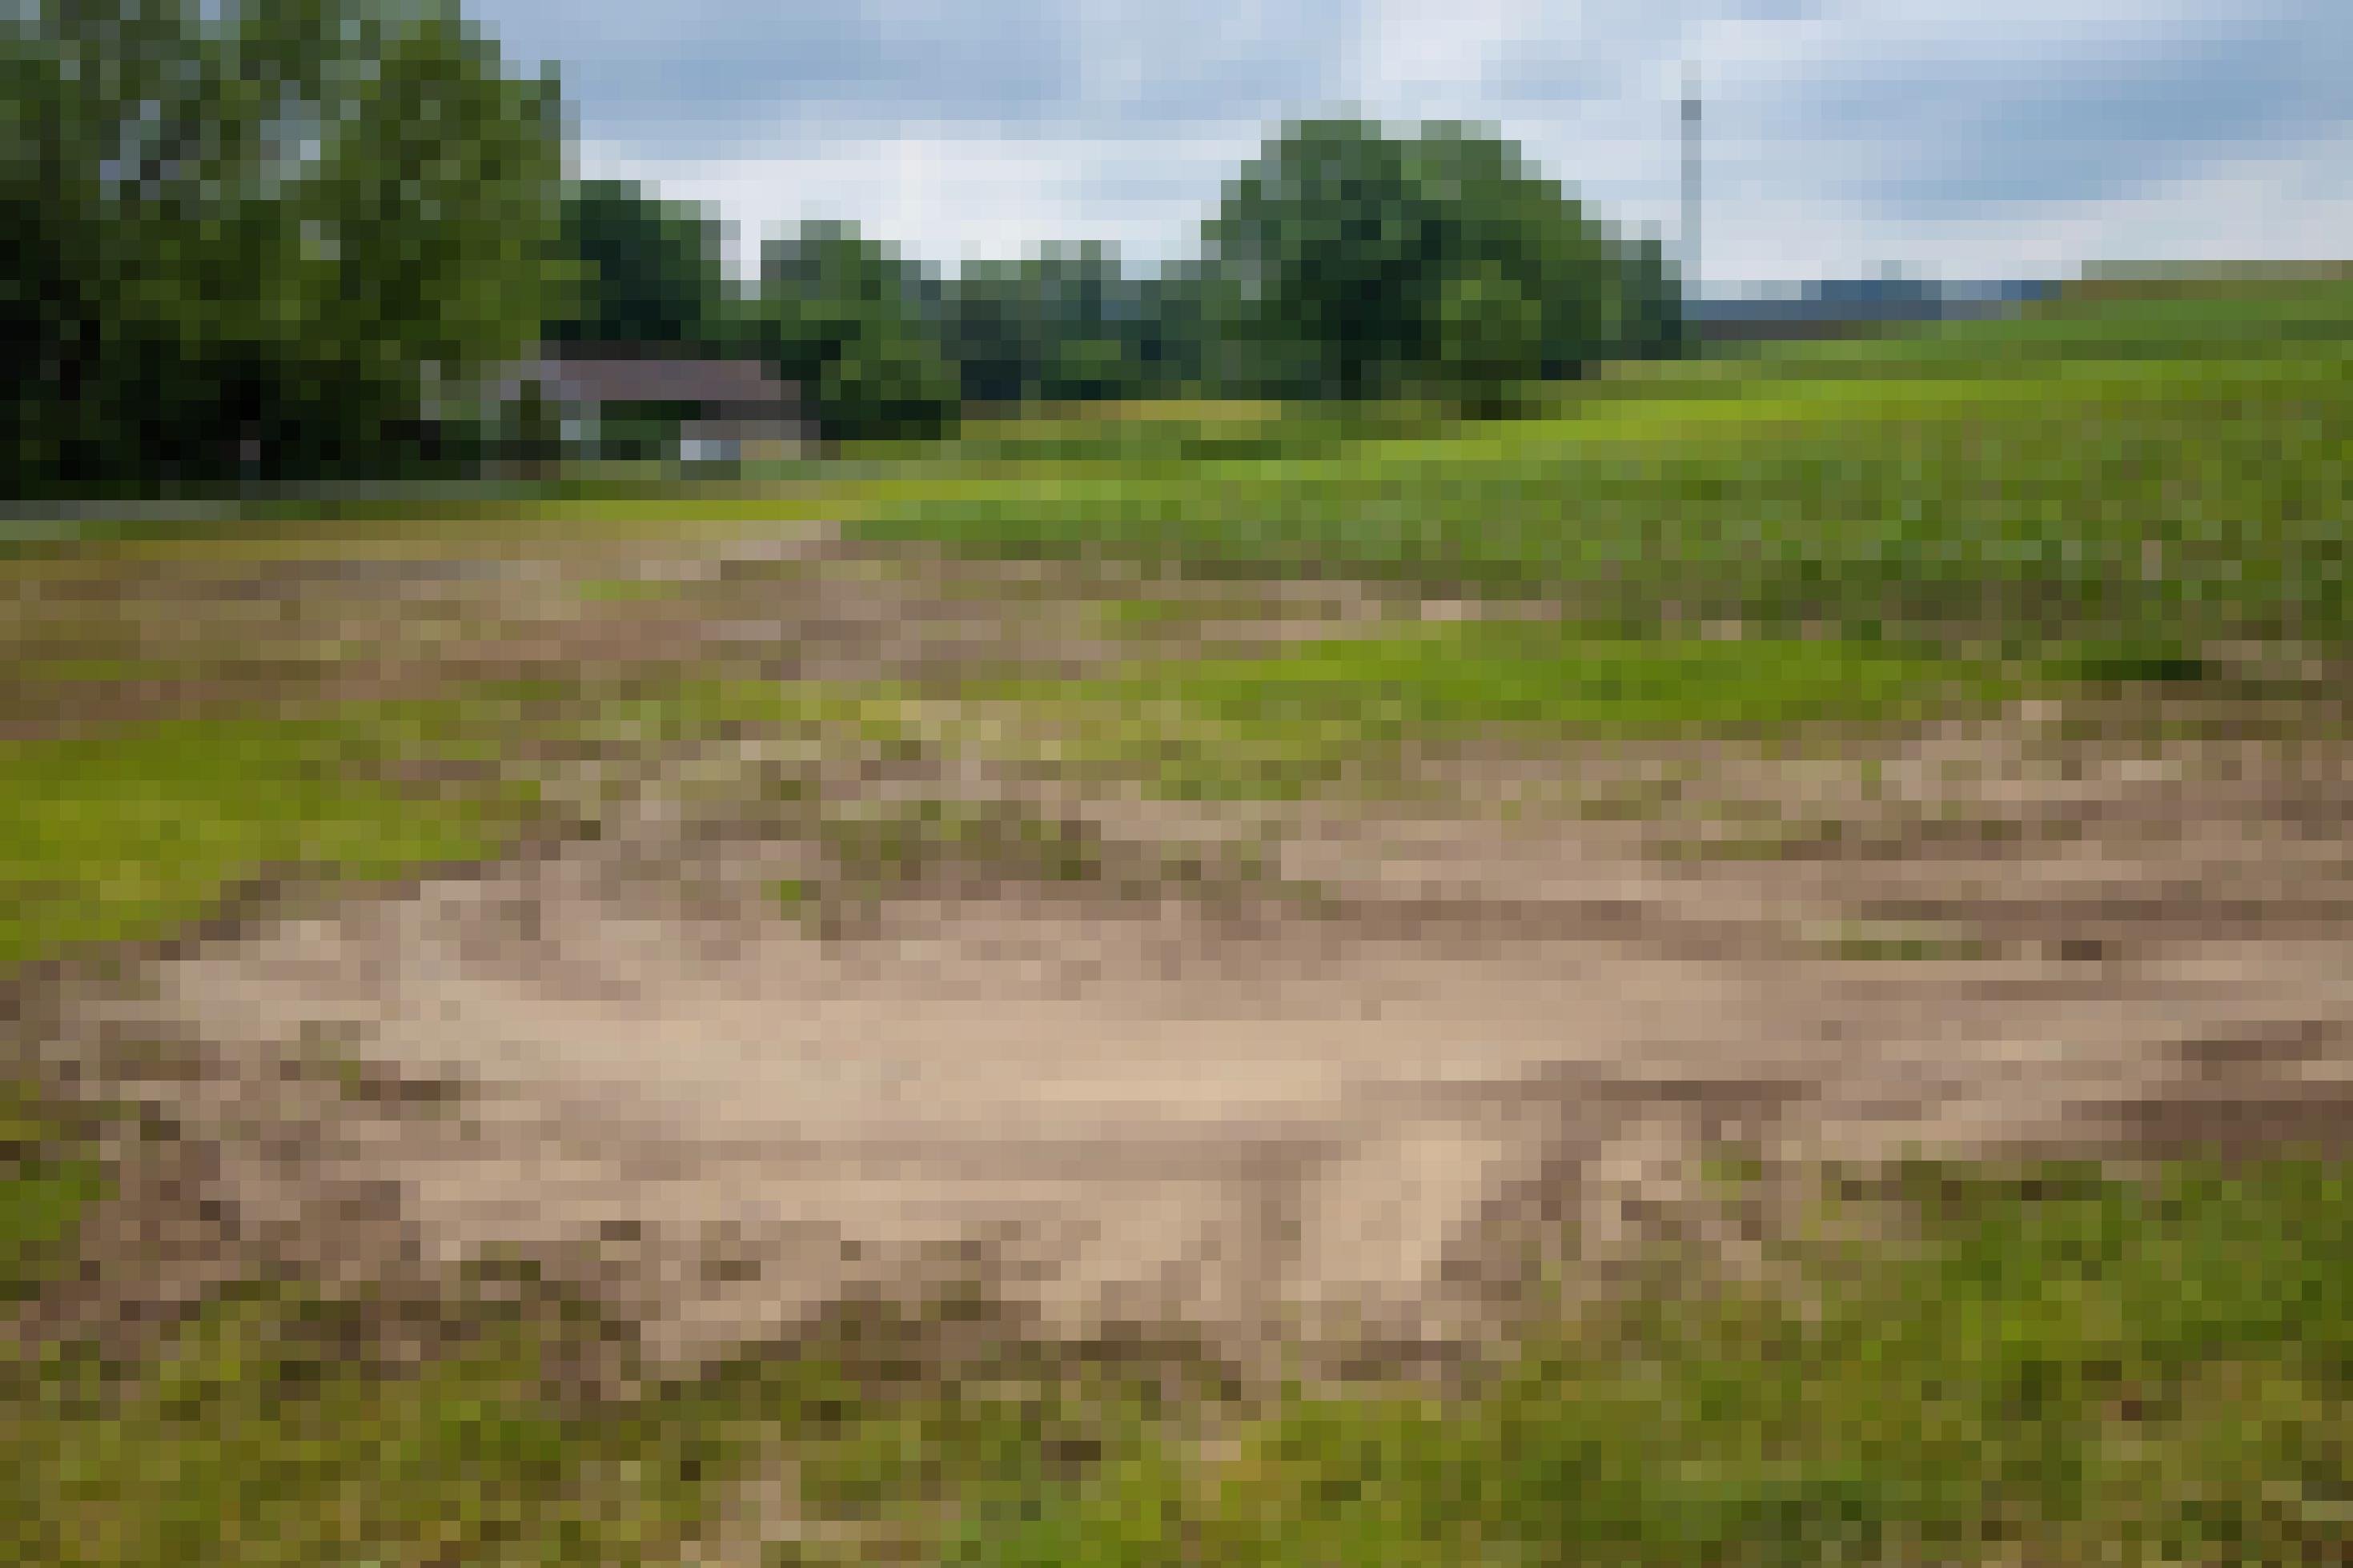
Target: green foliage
1068	326
888	379
532	426
1349	708
2052	1365
1487	338
857	328
124	833
1343	262
1195	314
257	1438
49	1177
2139	501
1369	263
254	237
651	272
1063	326
2066	1370
2057	1369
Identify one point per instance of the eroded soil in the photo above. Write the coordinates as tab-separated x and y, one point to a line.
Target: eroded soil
1328	1073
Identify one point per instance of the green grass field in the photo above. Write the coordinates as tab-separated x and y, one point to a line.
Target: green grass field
1353	706
2036	1380
2057	1369
121	836
2174	467
2058	1366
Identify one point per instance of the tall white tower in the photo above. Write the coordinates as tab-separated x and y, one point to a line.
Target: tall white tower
1690	235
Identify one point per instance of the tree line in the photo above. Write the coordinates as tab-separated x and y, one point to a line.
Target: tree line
261	237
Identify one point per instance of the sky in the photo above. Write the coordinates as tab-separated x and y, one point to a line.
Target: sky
1961	139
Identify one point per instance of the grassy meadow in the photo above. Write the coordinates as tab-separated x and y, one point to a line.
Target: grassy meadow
2180	476
2054	1367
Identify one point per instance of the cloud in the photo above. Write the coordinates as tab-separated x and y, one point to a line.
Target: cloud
949	199
1996	135
1205	62
701	75
691	74
1943	118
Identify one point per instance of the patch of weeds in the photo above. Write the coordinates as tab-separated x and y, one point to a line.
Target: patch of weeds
876	850
1636	800
888	846
50	1174
1348	712
323	1056
1730	1167
265	1431
1164	620
950	1442
661	709
123	834
1793	840
897	1441
1897	941
2146	661
1465	677
1973	490
2061	1367
257	1435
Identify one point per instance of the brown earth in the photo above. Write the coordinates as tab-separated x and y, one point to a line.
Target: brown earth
1346	1094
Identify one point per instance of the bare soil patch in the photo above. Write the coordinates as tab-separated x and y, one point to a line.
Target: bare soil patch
1339	1074
110	644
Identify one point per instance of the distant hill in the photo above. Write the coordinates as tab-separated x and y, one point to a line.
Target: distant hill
1832	305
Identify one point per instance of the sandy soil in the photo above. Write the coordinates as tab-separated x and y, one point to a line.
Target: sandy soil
1351	1120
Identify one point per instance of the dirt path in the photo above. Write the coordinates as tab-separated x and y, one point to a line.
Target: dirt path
1360	1120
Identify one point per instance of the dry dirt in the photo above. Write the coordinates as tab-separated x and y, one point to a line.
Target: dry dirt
1352	1114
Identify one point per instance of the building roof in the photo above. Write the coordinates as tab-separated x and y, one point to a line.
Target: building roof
739	385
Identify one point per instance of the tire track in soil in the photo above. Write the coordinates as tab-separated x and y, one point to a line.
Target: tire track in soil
1349	1128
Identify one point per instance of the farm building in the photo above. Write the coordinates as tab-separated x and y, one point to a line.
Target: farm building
688	410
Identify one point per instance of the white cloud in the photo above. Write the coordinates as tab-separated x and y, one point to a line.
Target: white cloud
1429	59
950	197
2294	207
1991	138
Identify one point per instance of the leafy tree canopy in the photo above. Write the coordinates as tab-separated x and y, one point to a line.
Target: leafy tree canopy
650	272
859	328
261	227
1370	263
1064	325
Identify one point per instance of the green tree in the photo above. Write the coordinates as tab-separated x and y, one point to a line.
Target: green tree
255	235
1370	264
990	334
650	272
1191	335
1066	325
860	330
1330	242
1487	339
